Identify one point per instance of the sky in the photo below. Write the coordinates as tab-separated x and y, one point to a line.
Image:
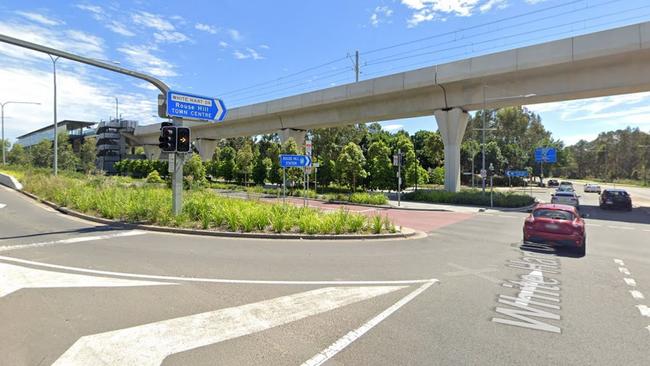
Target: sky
252	51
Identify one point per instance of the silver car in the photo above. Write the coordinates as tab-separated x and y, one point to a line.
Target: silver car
590	187
566	198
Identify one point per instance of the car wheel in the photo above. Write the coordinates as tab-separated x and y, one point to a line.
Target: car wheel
582	250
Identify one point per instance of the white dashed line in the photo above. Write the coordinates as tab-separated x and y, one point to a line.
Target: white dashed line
72	240
619	262
620	227
637	294
646	230
644	310
2	205
598	225
630	281
624	271
347	339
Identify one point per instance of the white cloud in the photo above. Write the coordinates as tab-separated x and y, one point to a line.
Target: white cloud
144	60
533	2
152	21
380	15
40	18
392	127
223	44
171	37
265	47
499	4
427	10
90	8
119	28
235	35
247	53
206	28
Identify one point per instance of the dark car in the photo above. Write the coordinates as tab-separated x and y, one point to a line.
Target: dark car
615	198
553	183
559	225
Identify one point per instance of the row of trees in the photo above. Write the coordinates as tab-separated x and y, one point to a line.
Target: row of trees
41	155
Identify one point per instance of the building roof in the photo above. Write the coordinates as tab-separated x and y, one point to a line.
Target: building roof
69	124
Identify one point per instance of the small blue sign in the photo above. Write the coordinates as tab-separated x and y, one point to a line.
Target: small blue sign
192	106
292	161
516	173
546	155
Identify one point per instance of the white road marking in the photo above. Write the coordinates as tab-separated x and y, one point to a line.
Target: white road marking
619	262
645	311
14	278
508	216
624	271
620	227
630	281
353	335
217	280
638	295
528	291
648	328
593	225
149	344
2	205
80	239
646	230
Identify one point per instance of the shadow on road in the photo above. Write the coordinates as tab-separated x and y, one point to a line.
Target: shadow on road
94	229
638	215
560	251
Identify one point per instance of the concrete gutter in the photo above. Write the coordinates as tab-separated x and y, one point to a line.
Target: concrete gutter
405	233
11	182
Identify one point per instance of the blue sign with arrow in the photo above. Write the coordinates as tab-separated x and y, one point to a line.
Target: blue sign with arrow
546	155
294	161
192	106
516	173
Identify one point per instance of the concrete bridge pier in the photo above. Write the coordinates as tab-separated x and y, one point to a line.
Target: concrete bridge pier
452	124
206	148
152	152
298	136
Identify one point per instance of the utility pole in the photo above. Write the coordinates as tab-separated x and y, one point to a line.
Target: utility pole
56	143
356	66
117	115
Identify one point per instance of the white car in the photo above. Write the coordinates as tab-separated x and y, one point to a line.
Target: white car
592	188
566	198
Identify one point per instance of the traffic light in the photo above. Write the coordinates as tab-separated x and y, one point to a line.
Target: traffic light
167	138
183	139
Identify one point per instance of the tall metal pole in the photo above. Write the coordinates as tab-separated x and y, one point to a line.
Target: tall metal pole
56	142
399	175
284	185
483	140
356	66
117	109
177	181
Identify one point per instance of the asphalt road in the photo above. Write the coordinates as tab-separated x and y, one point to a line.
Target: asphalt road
78	293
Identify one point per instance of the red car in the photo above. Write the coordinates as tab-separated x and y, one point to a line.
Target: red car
557	224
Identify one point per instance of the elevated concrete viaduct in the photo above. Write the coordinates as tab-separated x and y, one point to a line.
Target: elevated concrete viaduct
615	61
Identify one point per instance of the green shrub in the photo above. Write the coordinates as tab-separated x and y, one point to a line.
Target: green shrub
470	197
154	177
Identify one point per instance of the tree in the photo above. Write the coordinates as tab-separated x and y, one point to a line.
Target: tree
7	146
41	154
273	153
87	155
227	167
244	161
261	169
350	164
403	143
437	175
380	169
67	159
294	175
194	171
18	155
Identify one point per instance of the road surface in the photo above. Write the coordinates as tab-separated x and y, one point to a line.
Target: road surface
78	293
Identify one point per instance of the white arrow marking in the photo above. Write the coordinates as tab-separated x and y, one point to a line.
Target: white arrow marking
72	240
645	311
149	344
14	278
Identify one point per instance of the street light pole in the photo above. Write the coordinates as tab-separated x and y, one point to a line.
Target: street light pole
117	115
56	143
2	108
483	139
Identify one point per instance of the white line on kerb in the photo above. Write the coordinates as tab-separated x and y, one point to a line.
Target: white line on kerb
638	295
630	281
216	280
353	335
624	271
7	248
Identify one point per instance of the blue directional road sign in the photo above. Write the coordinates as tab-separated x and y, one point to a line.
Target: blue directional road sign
192	106
516	173
292	161
546	155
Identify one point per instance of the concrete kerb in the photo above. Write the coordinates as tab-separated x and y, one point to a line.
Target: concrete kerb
405	232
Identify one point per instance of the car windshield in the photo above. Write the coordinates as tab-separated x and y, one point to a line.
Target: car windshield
553	214
617	193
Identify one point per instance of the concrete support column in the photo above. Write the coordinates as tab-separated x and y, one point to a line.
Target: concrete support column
452	124
152	152
206	148
298	136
